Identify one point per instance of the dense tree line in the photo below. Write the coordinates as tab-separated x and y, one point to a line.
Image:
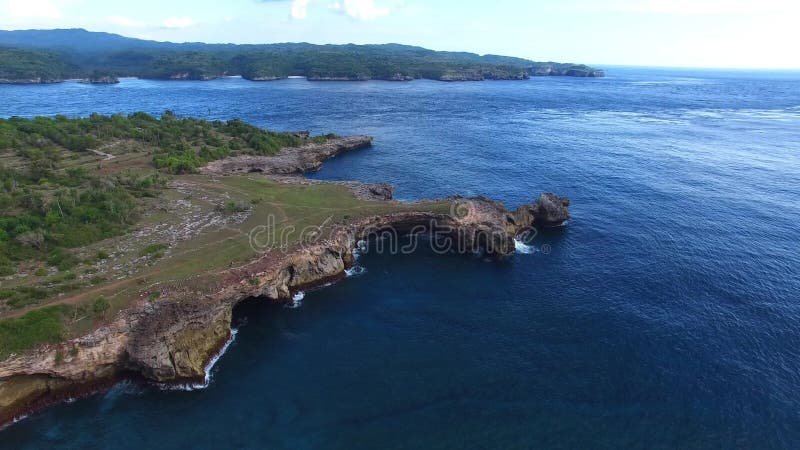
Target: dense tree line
82	52
33	66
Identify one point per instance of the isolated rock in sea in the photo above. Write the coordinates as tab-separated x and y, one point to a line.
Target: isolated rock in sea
549	210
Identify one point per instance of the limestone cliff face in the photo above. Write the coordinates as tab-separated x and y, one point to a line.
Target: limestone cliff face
172	340
177	339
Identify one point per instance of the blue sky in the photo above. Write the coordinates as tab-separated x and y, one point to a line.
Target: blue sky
699	33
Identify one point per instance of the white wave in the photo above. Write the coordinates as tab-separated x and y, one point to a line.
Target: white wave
13	421
208	375
523	248
297	300
355	271
19	419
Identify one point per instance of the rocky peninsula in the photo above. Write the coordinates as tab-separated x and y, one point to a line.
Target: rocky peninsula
216	238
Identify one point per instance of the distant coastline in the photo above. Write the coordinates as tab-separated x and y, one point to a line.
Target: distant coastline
52	56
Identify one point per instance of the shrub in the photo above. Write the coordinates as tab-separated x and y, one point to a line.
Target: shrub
100	306
232	207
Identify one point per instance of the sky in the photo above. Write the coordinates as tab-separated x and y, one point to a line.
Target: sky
670	33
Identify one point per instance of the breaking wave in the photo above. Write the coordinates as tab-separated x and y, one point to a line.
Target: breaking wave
521	247
297	300
355	271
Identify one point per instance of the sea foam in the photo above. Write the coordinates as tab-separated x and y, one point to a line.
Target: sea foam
521	247
297	300
355	271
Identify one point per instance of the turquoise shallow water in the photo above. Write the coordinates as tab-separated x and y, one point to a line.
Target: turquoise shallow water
666	315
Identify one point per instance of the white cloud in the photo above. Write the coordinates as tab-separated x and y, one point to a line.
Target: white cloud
359	9
33	9
178	22
299	9
126	22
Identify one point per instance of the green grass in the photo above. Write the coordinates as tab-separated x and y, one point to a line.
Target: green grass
45	325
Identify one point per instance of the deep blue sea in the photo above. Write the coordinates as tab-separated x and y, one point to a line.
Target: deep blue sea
667	314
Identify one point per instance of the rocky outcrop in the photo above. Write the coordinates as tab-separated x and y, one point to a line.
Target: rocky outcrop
105	79
549	210
362	191
565	70
289	160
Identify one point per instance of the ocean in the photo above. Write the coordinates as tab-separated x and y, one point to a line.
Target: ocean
665	314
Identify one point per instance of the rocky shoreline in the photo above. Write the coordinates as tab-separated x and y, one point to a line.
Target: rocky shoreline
27	81
523	74
172	341
289	160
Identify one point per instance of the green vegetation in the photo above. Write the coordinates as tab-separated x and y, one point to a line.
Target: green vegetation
100	306
385	62
40	326
45	210
232	207
33	66
118	56
181	145
188	65
102	76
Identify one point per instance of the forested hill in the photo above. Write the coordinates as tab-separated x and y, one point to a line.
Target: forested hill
38	56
